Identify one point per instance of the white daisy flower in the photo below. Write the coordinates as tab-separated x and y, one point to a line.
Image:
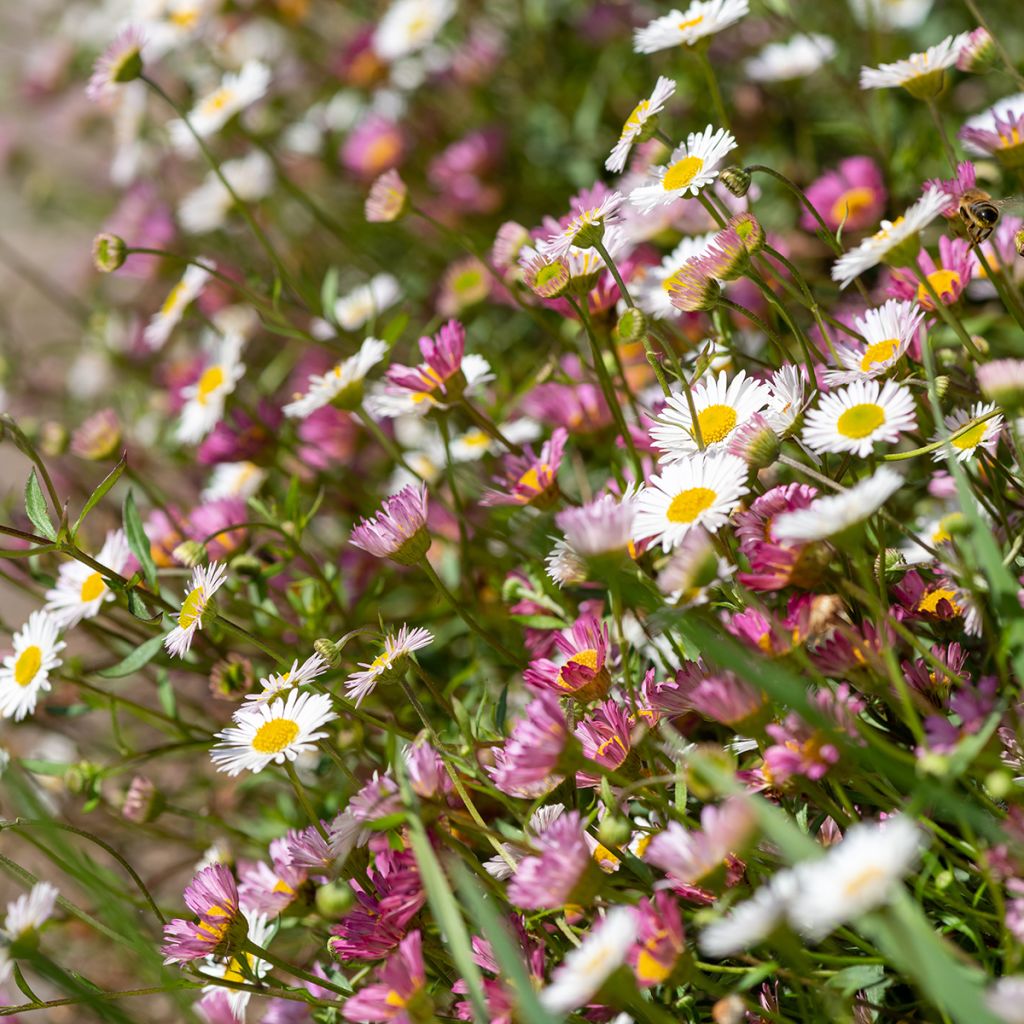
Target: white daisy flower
237	90
750	922
825	517
80	590
691	166
887	332
243	967
366	302
274	732
855	418
205	582
204	400
983	435
180	297
788	396
170	23
341	384
702	491
606	213
26	672
684	28
652	294
798	57
1006	999
721	404
298	675
891	234
855	876
934	532
920	71
635	123
388	404
564	567
234	480
409	26
585	969
890	14
397	647
206	208
29	912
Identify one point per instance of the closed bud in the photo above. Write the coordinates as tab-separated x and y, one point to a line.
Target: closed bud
328	650
614	831
246	565
632	325
736	180
335	899
143	802
892	564
980	343
190	553
941	385
98	438
108	252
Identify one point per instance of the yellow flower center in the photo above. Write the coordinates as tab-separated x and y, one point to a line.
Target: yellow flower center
865	877
651	970
880	352
861	420
689	504
1011	140
273	736
716	422
216	101
27	665
852	202
211	380
381	661
682	172
184	17
971	439
172	298
192	608
636	119
684	25
941	281
395	998
530	480
930	602
883	232
215	930
234	970
92	587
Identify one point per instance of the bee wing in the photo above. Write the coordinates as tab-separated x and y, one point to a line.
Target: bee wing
1011	204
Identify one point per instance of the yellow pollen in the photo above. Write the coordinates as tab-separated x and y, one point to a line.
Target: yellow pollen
475	439
586	657
716	422
172	298
394	998
681	173
971	439
942	281
650	970
689	504
27	666
192	608
684	25
930	602
637	118
613	741
863	878
92	587
878	353
381	661
861	420
852	202
273	736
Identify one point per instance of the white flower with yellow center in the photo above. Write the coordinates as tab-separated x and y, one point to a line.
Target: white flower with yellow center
26	672
80	590
788	388
721	405
857	417
856	875
749	922
260	932
798	57
934	532
586	219
634	126
585	969
887	332
234	480
984	435
889	236
298	675
828	516
237	90
397	647
890	14
204	400
920	71
180	297
702	491
205	582
684	28
206	208
652	293
274	732
366	302
691	166
343	383
409	26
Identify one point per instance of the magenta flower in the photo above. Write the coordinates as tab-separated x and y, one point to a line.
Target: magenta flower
606	739
584	674
526	765
798	750
379	798
401	981
270	888
661	939
579	407
720	697
427	774
309	850
399	530
949	277
373	147
530	479
998	131
954	187
553	877
932	683
853	195
213	897
120	62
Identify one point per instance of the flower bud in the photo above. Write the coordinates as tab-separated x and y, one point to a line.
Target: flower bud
614	831
632	325
53	438
190	553
333	900
328	650
590	234
98	438
978	54
108	252
143	802
893	566
736	180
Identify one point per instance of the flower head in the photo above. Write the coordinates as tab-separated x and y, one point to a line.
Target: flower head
527	764
206	397
639	122
852	196
858	416
888	332
692	166
585	224
550	879
998	132
387	665
982	436
120	62
81	591
831	515
213	897
800	56
530	479
205	582
410	25
342	385
399	530
26	671
402	985
237	91
686	28
921	74
387	199
584	675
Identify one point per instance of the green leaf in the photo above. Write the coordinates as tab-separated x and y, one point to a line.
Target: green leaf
329	294
139	608
168	699
142	655
35	506
97	496
137	539
391	333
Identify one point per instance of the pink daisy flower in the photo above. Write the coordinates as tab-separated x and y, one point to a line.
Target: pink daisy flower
606	738
949	277
530	479
213	897
399	530
853	195
401	982
551	879
584	674
527	764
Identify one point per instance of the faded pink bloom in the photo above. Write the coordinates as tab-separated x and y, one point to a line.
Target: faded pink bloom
398	531
853	195
798	750
954	187
527	764
583	675
606	740
551	879
402	980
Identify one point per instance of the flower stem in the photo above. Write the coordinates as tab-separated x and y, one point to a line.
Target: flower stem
300	794
716	94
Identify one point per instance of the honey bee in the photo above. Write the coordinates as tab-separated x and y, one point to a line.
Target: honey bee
980	213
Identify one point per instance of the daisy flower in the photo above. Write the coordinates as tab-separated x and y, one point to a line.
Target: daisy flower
685	28
828	516
399	530
204	400
242	968
233	480
982	436
887	332
298	675
750	922
25	916
552	878
386	200
387	665
530	479
81	591
585	223
636	124
691	166
120	62
205	582
798	57
787	387
854	419
948	278
852	195
342	385
921	74
206	208
409	26
652	295
402	980
702	491
213	897
890	14
890	235
998	131
26	672
603	526
1002	381
159	328
526	765
586	968
362	304
584	674
721	404
237	90
275	732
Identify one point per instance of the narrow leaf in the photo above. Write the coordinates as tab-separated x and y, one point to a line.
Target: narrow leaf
137	539
35	506
141	656
105	484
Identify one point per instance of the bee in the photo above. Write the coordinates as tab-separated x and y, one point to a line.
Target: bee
980	213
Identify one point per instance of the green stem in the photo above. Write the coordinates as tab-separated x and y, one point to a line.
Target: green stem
709	75
300	794
940	128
